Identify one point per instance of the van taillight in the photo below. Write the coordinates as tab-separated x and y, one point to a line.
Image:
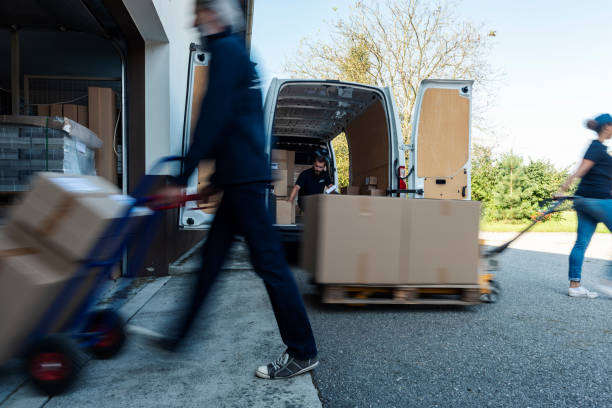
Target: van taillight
401	174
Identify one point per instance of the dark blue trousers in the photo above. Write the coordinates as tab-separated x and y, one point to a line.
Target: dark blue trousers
242	211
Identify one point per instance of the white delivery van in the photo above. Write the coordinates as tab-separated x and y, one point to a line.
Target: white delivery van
304	116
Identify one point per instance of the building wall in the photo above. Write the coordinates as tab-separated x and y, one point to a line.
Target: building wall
166	26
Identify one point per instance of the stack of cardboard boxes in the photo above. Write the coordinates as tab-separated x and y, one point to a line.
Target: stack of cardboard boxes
47	237
283	168
369	188
391	241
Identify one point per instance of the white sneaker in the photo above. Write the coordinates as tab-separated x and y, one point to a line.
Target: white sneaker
581	291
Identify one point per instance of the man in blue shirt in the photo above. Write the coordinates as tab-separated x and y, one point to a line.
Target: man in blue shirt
230	130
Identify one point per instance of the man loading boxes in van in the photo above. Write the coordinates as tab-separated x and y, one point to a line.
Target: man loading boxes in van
311	181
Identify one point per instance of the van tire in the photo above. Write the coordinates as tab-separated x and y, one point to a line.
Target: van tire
292	252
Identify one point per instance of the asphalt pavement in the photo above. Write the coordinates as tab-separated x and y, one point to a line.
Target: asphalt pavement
536	347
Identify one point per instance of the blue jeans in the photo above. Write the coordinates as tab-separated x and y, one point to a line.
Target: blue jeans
242	211
590	211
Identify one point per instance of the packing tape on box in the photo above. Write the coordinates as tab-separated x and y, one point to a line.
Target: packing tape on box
365	207
58	213
445	208
6	253
442	275
362	268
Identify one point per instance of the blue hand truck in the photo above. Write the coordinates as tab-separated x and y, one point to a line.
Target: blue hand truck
54	356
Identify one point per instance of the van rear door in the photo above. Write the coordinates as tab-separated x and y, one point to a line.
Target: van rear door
441	139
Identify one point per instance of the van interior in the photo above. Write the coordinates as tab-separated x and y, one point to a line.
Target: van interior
309	115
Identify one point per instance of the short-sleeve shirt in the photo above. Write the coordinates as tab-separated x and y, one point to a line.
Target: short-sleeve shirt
311	183
597	183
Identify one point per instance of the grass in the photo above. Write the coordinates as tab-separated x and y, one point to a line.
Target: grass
566	223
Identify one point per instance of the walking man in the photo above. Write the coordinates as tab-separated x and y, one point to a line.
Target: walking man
230	131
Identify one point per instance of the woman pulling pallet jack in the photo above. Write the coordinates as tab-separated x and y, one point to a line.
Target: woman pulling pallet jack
593	204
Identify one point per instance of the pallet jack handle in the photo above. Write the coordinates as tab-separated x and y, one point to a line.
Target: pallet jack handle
557	201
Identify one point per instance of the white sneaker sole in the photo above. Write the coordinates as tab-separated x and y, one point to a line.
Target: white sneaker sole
265	376
585	296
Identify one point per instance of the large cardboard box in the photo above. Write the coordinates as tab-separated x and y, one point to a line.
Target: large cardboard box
280	182
352	239
70	213
283	160
285	212
440	242
31	277
384	240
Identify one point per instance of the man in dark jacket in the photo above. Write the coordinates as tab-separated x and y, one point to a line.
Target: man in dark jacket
230	130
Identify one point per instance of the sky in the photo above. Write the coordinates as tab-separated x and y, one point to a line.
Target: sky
554	57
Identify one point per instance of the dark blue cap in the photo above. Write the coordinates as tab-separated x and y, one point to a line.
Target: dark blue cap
603	119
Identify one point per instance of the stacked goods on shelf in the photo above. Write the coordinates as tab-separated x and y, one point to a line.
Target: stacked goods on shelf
370	187
29	144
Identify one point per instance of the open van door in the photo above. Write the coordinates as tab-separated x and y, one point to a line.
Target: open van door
441	138
197	82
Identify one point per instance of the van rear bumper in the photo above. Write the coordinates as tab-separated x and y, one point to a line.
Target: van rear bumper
290	233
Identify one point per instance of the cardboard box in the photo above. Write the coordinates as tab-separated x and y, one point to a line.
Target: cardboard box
71	112
102	119
350	190
285	212
71	212
31	277
371	191
42	110
384	240
371	181
55	110
83	115
440	242
352	239
376	192
283	160
280	182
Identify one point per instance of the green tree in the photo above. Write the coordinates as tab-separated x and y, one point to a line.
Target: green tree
398	43
341	152
484	174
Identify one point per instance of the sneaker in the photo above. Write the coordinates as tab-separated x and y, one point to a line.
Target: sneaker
580	291
286	367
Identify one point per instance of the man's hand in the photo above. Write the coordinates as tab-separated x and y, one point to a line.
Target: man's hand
167	195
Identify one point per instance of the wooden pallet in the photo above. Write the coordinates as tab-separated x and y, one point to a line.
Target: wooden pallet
403	295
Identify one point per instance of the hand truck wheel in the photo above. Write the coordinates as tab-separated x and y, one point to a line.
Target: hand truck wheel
53	363
108	333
